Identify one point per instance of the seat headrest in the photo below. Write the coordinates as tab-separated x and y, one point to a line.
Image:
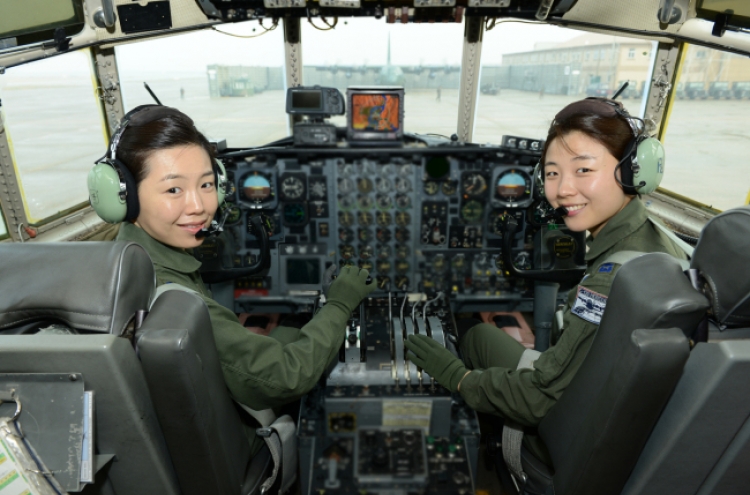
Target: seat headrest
723	259
93	286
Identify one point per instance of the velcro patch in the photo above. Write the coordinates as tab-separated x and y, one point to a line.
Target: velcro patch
589	305
606	268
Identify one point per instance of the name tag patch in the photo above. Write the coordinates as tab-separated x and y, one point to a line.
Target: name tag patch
589	305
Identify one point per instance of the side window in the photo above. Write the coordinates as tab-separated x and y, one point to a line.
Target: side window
3	228
708	129
55	130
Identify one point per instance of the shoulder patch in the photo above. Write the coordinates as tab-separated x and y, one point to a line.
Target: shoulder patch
589	305
606	268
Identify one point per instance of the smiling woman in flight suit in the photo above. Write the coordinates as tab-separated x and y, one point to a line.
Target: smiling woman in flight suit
170	179
588	167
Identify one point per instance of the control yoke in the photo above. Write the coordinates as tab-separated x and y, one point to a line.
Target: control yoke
565	276
261	264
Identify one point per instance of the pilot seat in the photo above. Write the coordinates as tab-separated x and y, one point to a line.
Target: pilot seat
163	419
653	409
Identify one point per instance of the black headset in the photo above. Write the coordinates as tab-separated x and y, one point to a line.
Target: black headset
642	166
112	187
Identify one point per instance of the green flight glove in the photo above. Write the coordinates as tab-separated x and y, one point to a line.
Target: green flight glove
349	288
436	360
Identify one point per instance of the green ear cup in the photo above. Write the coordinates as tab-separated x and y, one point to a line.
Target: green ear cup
650	170
221	182
104	193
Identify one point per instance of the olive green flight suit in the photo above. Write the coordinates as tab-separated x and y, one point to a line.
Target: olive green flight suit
260	372
495	386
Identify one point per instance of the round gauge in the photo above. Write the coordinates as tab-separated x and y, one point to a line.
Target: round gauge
365	218
458	262
402	235
403	185
346	169
405	170
522	261
346	219
364	185
318	189
438	263
448	187
386	170
346	235
256	188
471	211
403	219
431	187
437	167
365	202
384	266
233	214
513	186
402	252
384	202
402	267
382	185
230	189
383	218
366	264
473	184
403	202
368	167
365	251
346	251
292	187
383	282
295	214
384	252
364	235
383	235
346	203
345	186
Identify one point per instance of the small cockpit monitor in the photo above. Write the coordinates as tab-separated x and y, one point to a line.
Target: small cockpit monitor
376	113
314	102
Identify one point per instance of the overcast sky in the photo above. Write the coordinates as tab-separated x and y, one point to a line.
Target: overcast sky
354	41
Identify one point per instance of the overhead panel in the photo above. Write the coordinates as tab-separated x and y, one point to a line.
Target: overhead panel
182	14
638	15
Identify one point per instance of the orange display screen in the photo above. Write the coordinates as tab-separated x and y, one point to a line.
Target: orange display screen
375	112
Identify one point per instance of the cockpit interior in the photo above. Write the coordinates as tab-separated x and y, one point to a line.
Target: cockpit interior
399	137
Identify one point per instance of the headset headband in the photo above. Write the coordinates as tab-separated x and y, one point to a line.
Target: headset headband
140	115
603	107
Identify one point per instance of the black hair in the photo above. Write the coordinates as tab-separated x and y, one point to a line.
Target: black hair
138	142
613	132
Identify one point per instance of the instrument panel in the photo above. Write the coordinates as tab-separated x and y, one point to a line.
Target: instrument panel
419	219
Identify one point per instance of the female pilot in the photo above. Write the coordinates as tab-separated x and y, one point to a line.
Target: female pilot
173	172
587	169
